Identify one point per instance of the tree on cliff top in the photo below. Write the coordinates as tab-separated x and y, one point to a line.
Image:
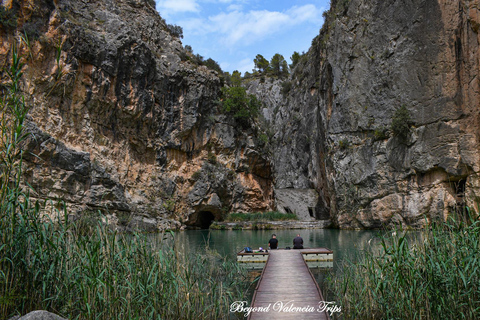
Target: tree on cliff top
278	66
295	59
261	63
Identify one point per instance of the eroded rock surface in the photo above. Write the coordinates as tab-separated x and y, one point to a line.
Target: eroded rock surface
122	122
332	129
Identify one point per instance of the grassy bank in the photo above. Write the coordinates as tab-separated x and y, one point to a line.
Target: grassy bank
260	216
435	277
48	262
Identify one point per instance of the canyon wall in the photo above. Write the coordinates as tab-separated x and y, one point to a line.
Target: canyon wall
123	122
332	118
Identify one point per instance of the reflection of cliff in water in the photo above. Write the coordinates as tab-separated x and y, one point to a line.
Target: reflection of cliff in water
346	244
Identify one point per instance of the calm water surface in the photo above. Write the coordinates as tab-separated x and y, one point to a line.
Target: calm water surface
344	243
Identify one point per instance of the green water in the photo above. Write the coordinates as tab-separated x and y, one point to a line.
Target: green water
344	243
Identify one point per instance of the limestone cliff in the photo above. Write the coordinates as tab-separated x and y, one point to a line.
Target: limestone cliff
332	124
123	122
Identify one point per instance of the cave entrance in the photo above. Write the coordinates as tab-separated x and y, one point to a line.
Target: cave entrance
205	219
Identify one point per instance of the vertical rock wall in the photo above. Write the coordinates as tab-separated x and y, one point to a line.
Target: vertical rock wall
124	123
333	127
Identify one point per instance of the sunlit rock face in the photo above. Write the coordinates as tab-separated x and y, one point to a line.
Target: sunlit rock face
332	118
122	122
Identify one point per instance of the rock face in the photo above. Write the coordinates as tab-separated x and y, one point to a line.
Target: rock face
333	129
38	315
122	122
302	202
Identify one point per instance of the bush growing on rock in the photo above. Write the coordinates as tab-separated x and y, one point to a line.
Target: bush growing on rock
241	106
400	123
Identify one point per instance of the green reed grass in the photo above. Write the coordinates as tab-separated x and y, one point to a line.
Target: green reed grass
48	262
261	216
436	276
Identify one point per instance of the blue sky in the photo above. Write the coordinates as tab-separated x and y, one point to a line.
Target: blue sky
233	32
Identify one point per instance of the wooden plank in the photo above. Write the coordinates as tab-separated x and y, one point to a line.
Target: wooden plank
285	287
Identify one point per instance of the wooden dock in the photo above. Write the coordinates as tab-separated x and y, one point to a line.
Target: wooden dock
287	289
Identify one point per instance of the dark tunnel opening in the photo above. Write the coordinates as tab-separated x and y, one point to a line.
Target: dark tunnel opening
205	219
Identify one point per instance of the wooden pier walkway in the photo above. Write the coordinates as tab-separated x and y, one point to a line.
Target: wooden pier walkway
285	287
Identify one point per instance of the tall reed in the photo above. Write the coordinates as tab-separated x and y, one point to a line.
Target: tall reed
49	262
436	276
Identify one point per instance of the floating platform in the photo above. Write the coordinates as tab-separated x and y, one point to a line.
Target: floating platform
314	257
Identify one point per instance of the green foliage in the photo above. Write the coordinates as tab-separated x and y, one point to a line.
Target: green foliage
236	78
241	106
278	66
400	123
344	144
261	63
286	87
197	175
295	59
435	276
263	138
169	205
217	226
381	134
260	216
213	65
8	18
175	30
212	157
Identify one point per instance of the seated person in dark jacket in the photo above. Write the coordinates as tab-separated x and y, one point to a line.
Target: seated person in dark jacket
298	242
273	243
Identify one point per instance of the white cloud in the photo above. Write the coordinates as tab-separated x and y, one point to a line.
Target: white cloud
167	7
235	7
245	65
249	27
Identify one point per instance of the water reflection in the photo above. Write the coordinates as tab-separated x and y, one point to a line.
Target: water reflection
346	244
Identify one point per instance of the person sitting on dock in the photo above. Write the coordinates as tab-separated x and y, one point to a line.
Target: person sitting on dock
298	242
273	243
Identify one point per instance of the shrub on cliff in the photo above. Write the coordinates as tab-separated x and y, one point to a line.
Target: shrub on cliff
175	30
400	123
241	106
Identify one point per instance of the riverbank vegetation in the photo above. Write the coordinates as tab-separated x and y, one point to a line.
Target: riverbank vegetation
49	262
260	216
436	276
